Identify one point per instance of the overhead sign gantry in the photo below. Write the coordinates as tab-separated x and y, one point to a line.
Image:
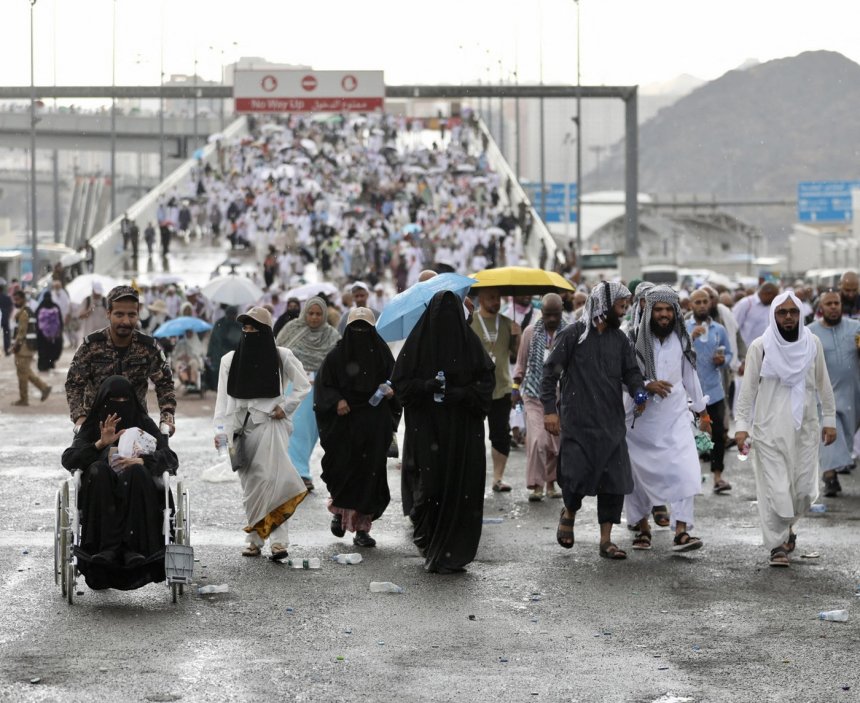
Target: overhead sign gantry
268	91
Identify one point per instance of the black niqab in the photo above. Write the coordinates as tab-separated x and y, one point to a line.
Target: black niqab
441	341
364	359
131	412
256	368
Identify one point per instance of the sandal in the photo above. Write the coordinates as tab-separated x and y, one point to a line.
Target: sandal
778	557
279	551
501	487
722	486
252	550
536	496
660	515
642	540
553	493
790	542
608	550
561	535
684	542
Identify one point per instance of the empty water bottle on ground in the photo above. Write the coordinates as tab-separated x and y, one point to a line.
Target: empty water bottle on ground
384	587
440	396
834	615
204	590
221	441
312	563
377	397
353	558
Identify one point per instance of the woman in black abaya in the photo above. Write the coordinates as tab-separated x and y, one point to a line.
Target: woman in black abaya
49	333
445	440
354	434
122	545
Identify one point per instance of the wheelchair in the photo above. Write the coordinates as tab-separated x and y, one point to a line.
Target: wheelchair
176	527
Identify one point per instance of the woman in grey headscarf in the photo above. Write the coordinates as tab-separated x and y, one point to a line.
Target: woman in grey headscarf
310	338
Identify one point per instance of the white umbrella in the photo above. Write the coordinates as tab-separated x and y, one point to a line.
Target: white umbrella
309	145
165	279
82	286
212	138
495	231
309	290
232	290
271	127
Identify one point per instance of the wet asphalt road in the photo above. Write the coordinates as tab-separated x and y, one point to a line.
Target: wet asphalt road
528	621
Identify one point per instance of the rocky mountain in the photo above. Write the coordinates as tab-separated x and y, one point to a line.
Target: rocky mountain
753	134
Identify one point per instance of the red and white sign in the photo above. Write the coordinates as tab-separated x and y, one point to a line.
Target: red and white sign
261	90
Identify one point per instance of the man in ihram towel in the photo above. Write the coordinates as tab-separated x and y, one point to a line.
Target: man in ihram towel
661	443
786	378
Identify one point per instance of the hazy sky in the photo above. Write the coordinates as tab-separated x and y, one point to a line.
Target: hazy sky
624	42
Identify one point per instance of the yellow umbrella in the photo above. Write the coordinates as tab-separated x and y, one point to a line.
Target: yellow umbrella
520	280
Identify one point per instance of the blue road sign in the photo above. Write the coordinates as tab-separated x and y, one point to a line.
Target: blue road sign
825	201
555	200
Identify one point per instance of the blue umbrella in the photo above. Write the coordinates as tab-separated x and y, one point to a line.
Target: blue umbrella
412	228
179	326
406	308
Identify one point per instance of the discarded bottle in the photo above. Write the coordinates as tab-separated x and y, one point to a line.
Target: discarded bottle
223	588
221	441
440	396
312	563
384	587
493	520
353	558
834	615
818	508
744	450
377	397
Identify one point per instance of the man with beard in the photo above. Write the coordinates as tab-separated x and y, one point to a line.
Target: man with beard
840	337
848	285
661	444
713	353
541	447
778	411
593	358
120	350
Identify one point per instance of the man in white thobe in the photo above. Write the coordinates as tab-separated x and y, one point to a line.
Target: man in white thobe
661	444
778	412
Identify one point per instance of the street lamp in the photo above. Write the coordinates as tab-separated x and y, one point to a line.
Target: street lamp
33	227
568	139
113	117
578	121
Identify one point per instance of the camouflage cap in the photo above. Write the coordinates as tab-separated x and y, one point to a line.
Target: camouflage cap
121	293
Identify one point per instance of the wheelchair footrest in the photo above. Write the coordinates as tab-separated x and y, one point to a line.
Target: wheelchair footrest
178	563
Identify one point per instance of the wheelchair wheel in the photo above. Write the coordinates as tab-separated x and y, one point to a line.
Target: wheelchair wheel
64	548
57	558
70	583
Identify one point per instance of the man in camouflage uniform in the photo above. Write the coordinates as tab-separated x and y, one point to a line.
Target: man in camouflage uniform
120	349
24	348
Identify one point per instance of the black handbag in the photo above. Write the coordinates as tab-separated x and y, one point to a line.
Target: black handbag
238	454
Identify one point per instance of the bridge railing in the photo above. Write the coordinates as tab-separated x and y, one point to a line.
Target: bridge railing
107	243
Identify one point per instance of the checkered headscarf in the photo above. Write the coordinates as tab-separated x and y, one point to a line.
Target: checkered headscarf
645	339
603	296
636	309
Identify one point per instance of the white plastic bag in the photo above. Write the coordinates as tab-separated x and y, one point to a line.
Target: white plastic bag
135	442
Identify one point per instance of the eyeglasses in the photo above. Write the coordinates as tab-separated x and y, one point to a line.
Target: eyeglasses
791	312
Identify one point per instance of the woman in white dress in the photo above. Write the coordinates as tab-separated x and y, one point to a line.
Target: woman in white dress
252	394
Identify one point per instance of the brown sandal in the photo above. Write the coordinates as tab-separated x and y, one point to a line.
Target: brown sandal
252	550
778	557
661	516
610	550
561	535
642	540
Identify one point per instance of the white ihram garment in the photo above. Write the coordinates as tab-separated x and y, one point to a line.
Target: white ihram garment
661	445
784	459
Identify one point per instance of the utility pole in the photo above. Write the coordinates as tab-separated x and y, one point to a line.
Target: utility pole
113	120
578	121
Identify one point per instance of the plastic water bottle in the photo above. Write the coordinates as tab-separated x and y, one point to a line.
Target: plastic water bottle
818	508
221	441
352	558
744	450
377	397
834	615
312	563
440	396
204	590
518	408
384	587
164	428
